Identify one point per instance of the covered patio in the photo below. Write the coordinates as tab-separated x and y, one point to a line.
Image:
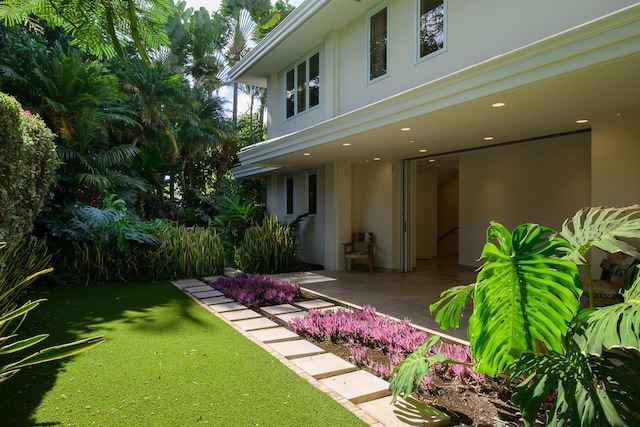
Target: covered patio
400	295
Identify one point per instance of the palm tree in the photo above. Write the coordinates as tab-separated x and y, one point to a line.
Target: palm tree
80	102
102	28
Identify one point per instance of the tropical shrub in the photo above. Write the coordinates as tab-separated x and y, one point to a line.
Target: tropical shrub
28	164
99	245
186	252
11	318
256	290
577	367
270	247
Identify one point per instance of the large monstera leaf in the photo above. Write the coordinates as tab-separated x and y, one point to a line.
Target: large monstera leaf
614	326
525	296
601	227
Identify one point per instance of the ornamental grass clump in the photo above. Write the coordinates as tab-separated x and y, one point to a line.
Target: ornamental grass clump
256	290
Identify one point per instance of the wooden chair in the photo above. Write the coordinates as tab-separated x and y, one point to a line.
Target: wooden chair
360	247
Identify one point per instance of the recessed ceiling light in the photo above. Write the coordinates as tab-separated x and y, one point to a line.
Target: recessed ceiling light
306	154
412	140
423	150
405	129
488	138
376	158
582	121
432	160
498	104
346	144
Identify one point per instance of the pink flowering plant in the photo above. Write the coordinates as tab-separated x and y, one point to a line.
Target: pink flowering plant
256	290
364	330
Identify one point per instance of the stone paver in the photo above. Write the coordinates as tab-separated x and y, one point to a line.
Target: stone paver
207	294
228	306
288	316
405	412
358	386
211	278
187	283
314	303
199	288
324	365
298	348
274	310
252	324
216	300
274	335
241	314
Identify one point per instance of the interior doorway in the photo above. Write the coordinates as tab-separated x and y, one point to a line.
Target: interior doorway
434	224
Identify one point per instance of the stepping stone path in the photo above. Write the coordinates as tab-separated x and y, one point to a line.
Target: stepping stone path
369	396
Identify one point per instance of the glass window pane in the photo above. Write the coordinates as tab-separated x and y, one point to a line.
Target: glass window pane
301	77
378	45
313	194
289	196
290	94
431	26
314	80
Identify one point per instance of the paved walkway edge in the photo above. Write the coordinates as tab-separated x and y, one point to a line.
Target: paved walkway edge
355	409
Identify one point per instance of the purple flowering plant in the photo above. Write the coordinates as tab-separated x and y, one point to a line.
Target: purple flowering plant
256	290
364	330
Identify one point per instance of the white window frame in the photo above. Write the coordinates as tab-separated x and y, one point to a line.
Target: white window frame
294	67
370	14
416	20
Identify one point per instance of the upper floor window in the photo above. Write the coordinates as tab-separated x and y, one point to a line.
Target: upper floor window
377	43
431	21
303	85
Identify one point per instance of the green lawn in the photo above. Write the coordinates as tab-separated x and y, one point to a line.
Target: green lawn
166	362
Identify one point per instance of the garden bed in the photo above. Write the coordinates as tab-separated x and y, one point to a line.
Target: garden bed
377	343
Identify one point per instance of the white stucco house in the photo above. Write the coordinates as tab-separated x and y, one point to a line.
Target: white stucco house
423	120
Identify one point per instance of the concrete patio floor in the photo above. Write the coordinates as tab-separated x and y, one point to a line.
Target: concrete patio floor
401	295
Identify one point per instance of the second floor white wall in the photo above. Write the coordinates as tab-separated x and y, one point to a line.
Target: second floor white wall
475	31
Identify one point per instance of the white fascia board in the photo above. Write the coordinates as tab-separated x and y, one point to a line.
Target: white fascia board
604	39
251	170
283	30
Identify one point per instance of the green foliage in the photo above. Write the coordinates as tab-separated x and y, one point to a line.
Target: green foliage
525	296
20	265
270	247
12	282
601	227
413	369
577	367
28	163
101	28
614	326
42	356
187	252
578	390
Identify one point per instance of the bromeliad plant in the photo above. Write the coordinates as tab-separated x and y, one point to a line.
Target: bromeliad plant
527	321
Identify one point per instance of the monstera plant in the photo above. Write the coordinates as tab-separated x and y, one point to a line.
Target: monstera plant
527	321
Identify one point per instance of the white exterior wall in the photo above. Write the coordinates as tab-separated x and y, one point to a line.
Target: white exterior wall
475	32
543	183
